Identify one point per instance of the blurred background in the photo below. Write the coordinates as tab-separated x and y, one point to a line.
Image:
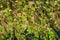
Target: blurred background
29	19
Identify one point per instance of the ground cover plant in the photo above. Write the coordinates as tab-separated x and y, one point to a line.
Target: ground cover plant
29	19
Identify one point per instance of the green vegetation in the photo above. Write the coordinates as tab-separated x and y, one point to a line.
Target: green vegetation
29	19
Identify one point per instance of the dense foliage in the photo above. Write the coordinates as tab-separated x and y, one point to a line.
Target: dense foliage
29	19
